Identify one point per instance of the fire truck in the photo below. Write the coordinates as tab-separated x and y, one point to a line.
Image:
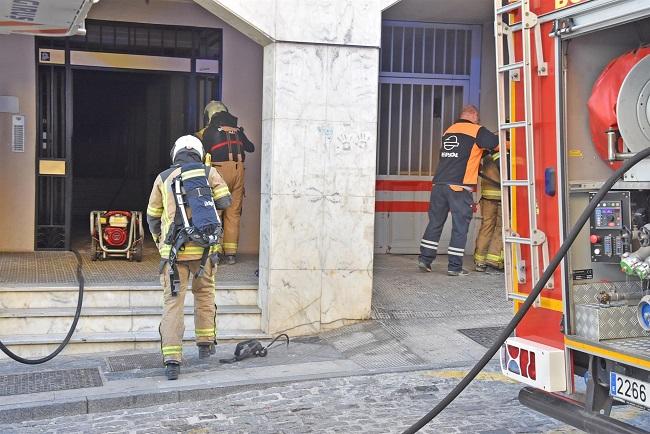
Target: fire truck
573	80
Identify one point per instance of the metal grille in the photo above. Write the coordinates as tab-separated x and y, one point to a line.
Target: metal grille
483	335
146	39
410	128
134	361
426	48
428	72
49	381
52	104
51	216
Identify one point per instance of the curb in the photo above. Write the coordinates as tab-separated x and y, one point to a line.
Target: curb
111	401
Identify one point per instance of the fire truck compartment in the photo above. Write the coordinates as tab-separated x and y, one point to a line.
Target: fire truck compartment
607	275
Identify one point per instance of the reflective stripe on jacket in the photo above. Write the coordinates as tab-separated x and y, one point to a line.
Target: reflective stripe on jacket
490	170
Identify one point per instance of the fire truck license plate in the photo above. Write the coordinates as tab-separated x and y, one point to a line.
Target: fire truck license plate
629	389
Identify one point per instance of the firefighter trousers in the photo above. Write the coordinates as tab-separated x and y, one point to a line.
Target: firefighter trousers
172	325
233	173
489	242
443	200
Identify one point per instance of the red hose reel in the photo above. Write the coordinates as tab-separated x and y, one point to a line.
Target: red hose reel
602	104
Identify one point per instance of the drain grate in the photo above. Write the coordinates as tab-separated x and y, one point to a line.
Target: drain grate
49	381
483	335
132	362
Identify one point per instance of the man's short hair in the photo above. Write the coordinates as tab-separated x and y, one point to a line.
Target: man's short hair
469	109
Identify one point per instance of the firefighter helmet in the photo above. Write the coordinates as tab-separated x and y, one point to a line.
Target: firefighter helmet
187	142
211	108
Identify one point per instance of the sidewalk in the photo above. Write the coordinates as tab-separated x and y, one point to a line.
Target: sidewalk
426	331
413	327
415	321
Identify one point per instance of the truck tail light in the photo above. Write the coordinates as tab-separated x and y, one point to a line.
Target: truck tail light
534	364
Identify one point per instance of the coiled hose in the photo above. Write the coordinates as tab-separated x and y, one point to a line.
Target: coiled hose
81	280
507	331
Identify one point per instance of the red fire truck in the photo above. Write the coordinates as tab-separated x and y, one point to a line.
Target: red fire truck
574	101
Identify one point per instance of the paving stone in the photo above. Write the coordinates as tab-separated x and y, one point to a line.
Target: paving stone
120	401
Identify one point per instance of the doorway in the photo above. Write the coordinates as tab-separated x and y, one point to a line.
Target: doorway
124	124
110	105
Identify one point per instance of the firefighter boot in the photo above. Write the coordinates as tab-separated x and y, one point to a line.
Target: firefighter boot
230	260
172	370
206	350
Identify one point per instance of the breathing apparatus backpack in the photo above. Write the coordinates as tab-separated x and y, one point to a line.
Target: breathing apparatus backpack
196	218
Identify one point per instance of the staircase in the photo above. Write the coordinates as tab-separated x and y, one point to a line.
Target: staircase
34	319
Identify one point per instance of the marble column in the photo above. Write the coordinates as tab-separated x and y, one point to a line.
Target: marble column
318	157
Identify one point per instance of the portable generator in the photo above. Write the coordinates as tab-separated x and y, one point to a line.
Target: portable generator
116	234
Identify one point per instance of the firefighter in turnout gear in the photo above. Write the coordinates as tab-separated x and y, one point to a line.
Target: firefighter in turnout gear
163	219
489	242
227	145
456	176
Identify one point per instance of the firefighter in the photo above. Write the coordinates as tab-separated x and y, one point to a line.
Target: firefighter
489	243
456	176
227	145
161	215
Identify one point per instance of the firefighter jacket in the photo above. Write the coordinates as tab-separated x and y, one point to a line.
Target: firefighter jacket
490	177
460	154
224	145
161	211
224	140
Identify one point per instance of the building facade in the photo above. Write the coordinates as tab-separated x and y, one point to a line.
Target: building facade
308	80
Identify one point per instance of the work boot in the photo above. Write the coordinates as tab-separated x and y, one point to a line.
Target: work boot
172	370
230	260
206	350
462	272
481	268
425	268
496	267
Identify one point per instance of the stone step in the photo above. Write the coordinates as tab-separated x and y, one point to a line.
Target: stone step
37	297
39	345
119	320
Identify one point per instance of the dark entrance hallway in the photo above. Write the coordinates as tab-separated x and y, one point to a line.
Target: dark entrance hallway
124	126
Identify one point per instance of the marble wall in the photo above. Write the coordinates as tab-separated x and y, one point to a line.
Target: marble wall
319	145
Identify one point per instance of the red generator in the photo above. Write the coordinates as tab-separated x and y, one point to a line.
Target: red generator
116	234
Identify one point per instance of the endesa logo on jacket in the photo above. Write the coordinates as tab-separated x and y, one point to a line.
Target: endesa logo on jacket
450	144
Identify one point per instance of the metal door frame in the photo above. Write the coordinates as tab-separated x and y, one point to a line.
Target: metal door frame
470	83
60	57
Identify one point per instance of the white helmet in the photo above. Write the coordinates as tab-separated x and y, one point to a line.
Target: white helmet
189	142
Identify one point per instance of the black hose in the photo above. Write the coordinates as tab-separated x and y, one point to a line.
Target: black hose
507	331
81	280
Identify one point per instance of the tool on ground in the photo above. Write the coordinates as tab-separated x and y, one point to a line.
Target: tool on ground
252	348
116	234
